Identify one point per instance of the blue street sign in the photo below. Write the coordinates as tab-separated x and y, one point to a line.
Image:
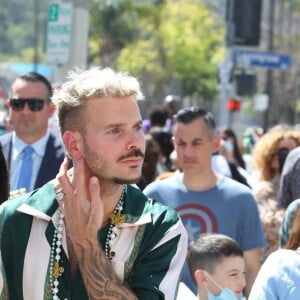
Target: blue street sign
268	60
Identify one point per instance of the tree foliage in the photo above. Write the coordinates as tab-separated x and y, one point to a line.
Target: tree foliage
156	41
193	44
18	30
161	41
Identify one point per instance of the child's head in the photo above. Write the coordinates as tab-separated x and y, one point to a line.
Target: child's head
215	262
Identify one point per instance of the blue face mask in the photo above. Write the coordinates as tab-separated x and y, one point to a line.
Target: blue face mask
226	293
229	146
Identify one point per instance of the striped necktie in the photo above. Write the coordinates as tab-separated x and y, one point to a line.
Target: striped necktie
25	170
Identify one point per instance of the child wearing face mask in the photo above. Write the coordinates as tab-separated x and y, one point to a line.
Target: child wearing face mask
216	264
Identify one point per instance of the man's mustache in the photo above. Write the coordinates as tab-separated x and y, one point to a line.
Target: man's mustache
133	153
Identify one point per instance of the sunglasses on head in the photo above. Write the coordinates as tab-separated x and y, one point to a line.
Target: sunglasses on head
34	104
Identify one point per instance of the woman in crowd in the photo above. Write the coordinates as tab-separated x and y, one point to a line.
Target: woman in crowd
233	148
268	158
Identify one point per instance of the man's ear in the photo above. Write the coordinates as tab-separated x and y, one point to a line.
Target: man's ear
201	278
8	103
73	143
216	143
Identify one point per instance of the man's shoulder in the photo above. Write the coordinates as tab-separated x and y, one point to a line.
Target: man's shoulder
139	197
160	208
144	202
38	200
55	140
234	191
165	183
231	184
55	148
10	205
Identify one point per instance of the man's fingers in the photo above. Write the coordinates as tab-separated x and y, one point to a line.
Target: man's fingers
80	179
62	174
96	202
62	177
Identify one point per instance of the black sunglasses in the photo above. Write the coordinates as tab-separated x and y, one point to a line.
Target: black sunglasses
35	104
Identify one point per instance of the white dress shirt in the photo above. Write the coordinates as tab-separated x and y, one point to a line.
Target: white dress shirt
16	155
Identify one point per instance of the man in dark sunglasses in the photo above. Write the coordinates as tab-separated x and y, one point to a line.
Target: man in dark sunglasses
30	108
34	104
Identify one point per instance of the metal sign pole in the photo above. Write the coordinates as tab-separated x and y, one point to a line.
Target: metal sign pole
225	69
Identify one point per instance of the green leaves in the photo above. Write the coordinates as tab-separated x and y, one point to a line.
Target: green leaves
165	40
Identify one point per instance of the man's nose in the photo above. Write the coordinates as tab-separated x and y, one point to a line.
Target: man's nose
26	108
188	150
136	140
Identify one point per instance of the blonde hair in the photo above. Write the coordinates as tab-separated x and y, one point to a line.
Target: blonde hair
82	86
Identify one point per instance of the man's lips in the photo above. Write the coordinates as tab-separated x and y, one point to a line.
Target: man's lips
132	160
134	156
189	161
27	120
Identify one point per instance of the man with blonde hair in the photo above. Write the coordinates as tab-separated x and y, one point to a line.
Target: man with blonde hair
90	234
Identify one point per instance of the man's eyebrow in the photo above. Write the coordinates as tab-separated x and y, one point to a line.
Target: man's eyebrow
192	141
140	122
234	270
114	125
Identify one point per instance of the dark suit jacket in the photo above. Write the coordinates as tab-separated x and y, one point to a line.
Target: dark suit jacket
54	156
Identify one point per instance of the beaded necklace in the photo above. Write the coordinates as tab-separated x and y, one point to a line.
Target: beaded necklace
55	269
116	219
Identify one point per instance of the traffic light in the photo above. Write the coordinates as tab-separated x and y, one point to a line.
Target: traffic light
245	16
245	84
233	105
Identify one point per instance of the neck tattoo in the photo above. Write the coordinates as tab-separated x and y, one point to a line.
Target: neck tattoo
55	269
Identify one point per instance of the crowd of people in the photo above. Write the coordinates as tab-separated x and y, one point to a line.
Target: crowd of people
120	207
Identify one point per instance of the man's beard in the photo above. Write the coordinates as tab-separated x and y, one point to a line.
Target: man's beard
95	164
133	153
118	180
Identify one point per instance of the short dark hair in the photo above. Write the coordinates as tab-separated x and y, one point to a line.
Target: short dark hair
36	77
158	116
189	114
209	249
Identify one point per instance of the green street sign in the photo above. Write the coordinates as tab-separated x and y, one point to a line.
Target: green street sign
59	32
53	12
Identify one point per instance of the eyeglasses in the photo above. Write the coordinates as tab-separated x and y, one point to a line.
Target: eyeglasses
35	104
